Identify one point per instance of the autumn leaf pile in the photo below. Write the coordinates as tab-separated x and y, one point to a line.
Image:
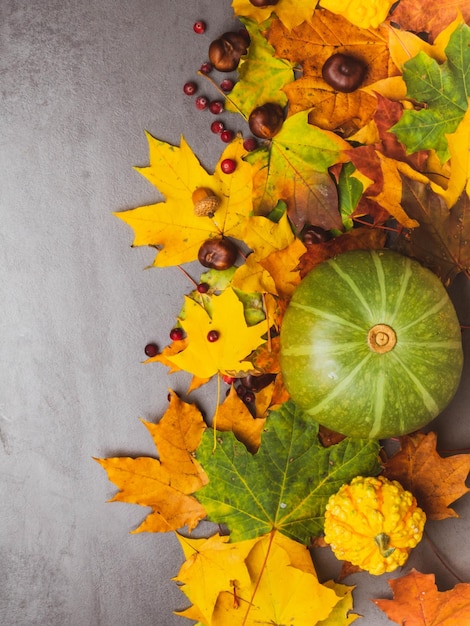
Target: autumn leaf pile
387	165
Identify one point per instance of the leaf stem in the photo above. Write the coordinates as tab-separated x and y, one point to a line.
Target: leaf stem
257	584
187	275
223	94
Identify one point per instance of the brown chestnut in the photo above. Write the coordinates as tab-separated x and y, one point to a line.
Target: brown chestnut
343	72
266	120
263	3
314	234
256	382
226	51
218	254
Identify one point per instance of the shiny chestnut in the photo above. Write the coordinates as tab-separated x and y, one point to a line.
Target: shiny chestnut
218	254
266	120
344	73
226	51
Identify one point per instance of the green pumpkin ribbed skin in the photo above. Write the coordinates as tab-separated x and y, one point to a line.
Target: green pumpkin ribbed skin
331	372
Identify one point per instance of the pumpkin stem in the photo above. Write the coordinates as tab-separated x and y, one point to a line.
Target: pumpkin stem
381	338
383	542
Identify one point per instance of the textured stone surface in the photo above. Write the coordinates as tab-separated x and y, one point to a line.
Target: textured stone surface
79	84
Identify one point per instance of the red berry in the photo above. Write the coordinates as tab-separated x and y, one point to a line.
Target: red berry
217	127
216	107
203	288
228	166
206	68
199	27
227	85
176	333
227	136
201	103
190	88
213	335
229	380
250	144
151	350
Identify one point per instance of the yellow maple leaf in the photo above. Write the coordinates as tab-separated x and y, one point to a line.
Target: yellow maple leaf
172	226
267	580
459	179
290	12
235	339
361	13
165	485
252	277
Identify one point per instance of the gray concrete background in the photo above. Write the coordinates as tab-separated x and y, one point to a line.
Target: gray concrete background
79	84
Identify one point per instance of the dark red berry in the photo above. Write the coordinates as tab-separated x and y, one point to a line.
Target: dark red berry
249	397
227	136
250	144
201	103
217	127
227	85
228	166
176	333
216	107
190	88
199	27
213	335
202	288
206	68
151	350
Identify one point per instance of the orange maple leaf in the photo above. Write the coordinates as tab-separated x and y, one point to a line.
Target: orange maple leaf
435	481
165	485
233	415
417	602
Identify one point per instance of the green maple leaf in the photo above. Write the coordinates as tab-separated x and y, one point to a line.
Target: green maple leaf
444	89
286	484
261	75
293	167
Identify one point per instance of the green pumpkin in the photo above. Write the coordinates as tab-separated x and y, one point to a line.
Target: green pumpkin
371	345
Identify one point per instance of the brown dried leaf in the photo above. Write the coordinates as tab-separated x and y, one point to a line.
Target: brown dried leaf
435	481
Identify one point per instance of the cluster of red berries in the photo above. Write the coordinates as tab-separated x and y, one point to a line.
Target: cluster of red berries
216	107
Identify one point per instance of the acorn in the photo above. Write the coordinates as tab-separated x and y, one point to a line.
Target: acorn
263	3
266	120
343	72
226	51
218	254
205	202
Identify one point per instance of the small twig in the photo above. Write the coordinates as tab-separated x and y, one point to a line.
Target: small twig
187	275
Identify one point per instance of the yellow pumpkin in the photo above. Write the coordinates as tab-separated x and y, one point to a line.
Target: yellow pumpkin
373	523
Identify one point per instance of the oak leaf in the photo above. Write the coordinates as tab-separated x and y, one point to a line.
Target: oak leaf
172	226
286	484
435	481
293	167
417	602
269	579
165	484
310	45
443	89
203	357
290	12
429	16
